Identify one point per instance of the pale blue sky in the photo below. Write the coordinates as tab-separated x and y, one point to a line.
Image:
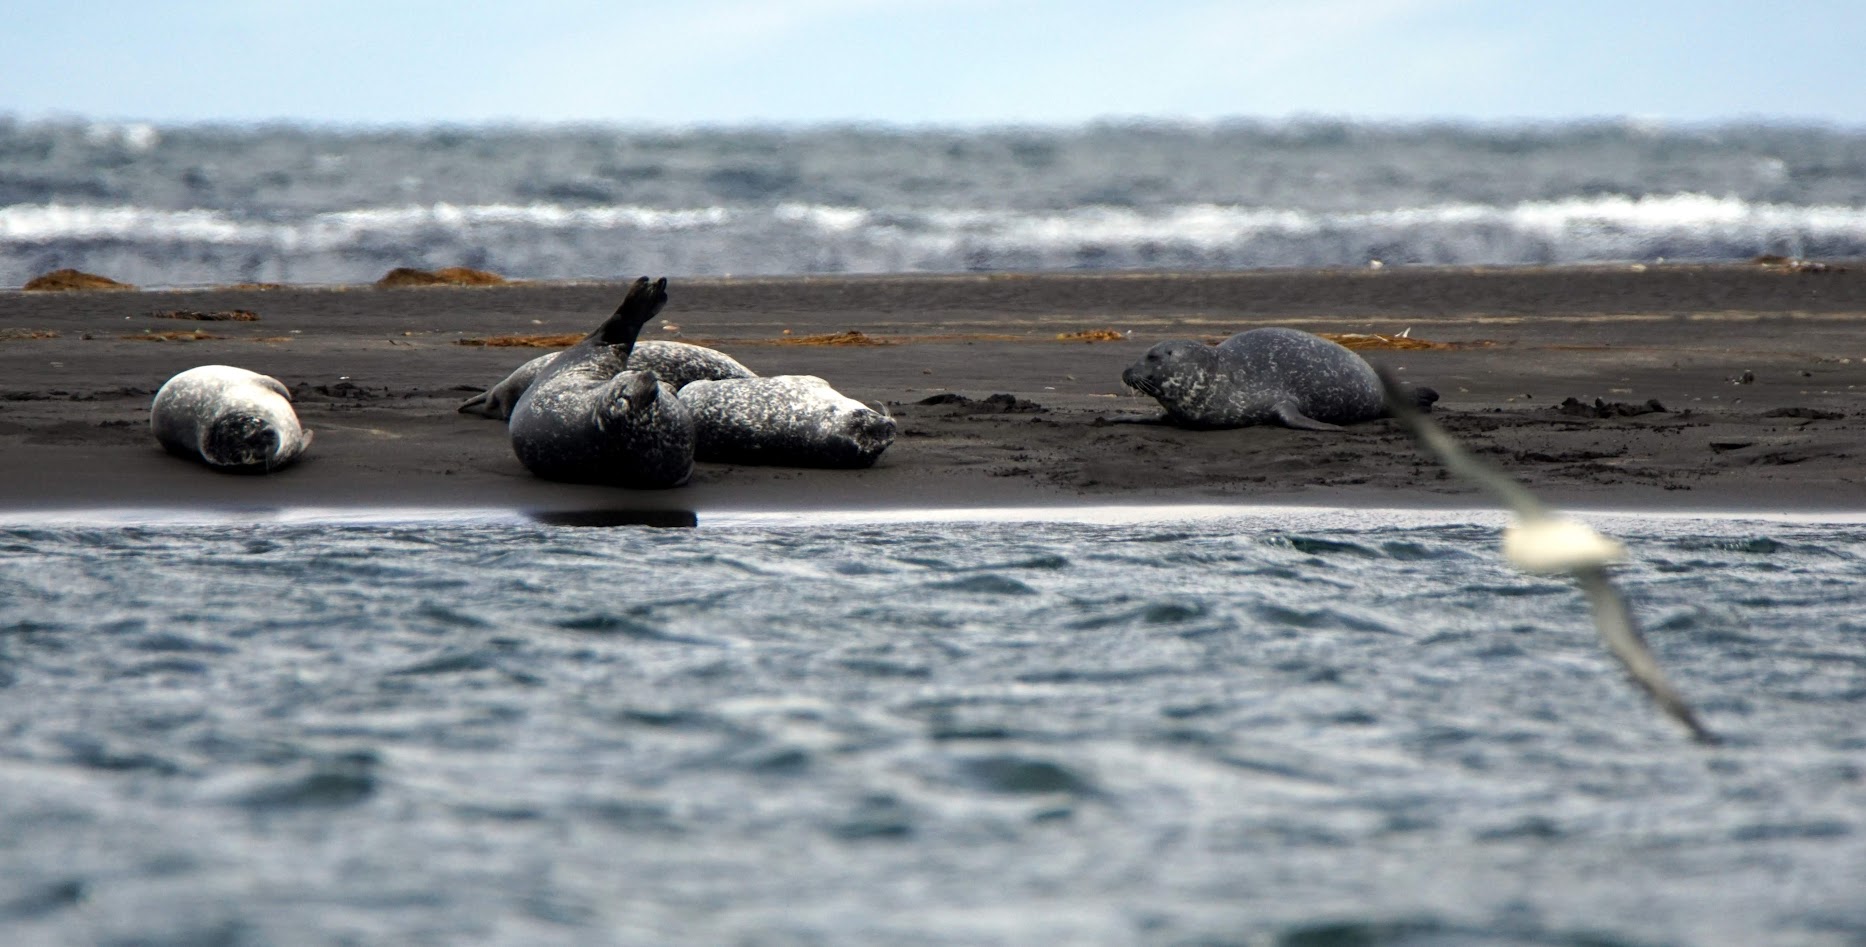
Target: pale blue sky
910	62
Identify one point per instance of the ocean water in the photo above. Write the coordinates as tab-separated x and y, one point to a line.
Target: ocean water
168	206
1286	727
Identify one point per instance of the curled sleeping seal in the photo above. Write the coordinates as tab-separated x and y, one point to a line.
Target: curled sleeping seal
586	418
1264	376
229	418
787	420
676	363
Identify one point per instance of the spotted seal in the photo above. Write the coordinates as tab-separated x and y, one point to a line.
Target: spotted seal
785	420
228	418
586	418
676	363
1263	376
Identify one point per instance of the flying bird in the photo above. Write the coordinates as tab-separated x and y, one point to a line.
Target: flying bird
1540	541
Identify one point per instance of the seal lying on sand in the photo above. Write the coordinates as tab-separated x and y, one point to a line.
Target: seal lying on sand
586	418
228	417
676	363
1264	376
787	420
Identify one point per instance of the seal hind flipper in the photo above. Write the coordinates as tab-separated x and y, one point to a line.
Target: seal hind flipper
1288	415
499	401
495	403
480	404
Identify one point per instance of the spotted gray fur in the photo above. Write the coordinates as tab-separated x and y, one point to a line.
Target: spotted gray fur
228	418
784	420
1263	376
586	418
676	363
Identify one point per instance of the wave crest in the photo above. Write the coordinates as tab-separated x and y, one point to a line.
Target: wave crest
552	240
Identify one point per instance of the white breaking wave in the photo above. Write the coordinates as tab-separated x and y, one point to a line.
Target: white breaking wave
44	222
1201	225
549	240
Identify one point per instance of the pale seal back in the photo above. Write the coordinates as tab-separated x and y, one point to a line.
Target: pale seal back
784	420
229	418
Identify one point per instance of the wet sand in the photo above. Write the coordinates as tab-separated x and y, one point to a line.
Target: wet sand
1761	373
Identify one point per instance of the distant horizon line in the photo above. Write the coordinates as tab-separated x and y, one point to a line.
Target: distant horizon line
1303	120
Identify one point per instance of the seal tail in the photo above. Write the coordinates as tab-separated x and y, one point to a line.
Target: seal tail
480	404
643	302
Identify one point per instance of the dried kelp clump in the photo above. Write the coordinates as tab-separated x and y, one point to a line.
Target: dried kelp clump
446	276
71	281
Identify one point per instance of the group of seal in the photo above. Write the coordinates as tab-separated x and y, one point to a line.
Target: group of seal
732	414
614	410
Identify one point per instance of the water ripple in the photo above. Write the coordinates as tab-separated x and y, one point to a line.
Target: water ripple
1286	735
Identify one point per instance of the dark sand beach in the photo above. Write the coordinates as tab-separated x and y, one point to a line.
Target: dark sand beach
1760	371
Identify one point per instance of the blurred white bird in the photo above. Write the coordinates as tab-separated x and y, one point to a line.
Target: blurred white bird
1539	541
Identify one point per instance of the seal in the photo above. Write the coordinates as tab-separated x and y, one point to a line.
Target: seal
228	418
1263	376
784	420
676	363
586	418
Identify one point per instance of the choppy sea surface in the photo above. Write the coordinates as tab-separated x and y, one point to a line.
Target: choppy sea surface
1280	727
184	205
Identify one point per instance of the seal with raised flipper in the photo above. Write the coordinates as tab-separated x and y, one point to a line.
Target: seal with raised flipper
784	420
229	418
587	418
677	363
1263	376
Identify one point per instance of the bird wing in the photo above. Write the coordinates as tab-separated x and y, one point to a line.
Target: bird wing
1614	620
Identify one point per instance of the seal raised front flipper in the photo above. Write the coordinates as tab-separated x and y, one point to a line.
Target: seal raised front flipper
643	302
